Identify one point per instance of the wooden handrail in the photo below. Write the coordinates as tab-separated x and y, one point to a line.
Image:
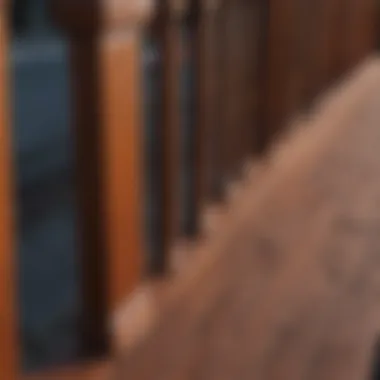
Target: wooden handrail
9	358
105	39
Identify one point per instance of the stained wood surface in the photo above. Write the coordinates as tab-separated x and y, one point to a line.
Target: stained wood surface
8	343
167	30
107	98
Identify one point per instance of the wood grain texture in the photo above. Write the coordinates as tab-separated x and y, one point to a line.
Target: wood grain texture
8	320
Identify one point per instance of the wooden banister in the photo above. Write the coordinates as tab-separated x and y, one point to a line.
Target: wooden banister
8	342
254	63
105	39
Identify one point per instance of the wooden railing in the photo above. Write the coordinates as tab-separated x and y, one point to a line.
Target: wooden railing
254	65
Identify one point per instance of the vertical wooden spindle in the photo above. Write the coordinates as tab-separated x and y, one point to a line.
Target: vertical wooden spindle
251	36
230	107
244	46
263	131
204	51
311	17
167	28
8	343
278	61
223	100
219	142
106	46
208	44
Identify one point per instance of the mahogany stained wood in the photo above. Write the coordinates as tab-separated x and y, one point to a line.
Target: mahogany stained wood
106	69
206	47
167	28
8	343
278	63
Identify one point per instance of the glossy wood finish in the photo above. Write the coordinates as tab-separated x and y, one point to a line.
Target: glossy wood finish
253	20
278	63
8	343
106	83
167	30
206	48
209	144
219	139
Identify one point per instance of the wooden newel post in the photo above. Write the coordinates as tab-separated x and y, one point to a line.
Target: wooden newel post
106	44
8	343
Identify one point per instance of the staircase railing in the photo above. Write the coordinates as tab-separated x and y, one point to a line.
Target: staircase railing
232	73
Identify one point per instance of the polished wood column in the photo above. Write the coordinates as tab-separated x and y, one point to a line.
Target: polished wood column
106	50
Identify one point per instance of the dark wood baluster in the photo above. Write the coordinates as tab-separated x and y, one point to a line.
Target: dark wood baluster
238	95
208	41
220	139
252	12
309	40
8	343
167	29
230	37
223	100
319	67
263	131
244	64
203	50
106	67
278	70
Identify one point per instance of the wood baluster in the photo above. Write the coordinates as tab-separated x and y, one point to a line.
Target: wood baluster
204	50
246	64
263	105
237	67
293	61
106	67
8	341
223	153
230	104
252	54
278	69
208	51
220	141
310	40
167	28
319	68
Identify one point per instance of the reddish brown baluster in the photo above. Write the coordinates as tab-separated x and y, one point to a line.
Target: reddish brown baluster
106	46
